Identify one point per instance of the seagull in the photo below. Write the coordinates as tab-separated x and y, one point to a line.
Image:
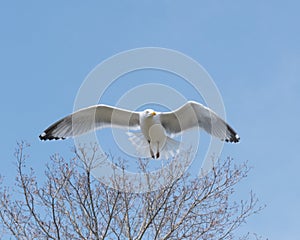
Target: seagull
156	128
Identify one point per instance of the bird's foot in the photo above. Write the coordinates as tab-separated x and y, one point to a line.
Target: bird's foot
152	153
157	155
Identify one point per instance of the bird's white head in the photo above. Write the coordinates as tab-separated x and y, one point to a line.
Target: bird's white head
149	113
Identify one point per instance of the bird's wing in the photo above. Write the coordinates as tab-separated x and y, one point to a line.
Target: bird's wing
193	114
91	118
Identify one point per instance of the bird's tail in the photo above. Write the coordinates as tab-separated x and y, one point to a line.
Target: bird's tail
140	143
168	150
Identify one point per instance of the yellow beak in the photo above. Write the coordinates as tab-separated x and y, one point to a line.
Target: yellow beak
153	113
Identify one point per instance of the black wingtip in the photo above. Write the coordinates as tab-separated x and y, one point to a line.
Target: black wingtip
233	136
233	139
44	137
49	132
237	138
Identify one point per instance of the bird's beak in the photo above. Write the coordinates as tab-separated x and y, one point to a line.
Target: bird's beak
153	113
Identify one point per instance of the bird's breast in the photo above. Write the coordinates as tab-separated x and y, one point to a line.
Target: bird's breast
152	129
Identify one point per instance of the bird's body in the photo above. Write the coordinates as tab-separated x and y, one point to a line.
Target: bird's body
147	120
155	126
153	131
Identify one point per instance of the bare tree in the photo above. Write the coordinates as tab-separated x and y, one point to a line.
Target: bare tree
71	204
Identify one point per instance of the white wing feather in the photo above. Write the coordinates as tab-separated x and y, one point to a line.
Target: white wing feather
193	114
91	118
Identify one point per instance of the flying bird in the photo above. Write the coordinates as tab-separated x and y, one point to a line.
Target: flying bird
156	128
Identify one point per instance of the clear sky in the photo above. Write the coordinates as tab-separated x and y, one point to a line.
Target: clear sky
250	48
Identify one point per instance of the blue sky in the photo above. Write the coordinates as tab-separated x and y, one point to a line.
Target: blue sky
250	48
